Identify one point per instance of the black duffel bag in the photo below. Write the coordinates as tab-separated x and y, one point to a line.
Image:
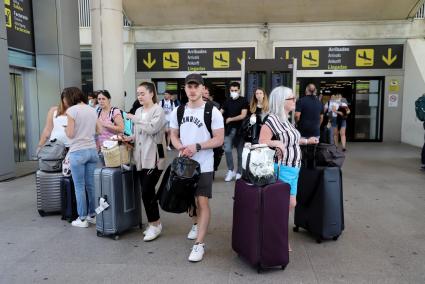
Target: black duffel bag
176	193
322	155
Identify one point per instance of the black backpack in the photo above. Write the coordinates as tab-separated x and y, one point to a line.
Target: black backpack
420	108
218	152
176	193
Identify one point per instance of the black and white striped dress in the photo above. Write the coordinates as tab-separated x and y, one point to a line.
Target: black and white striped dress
290	137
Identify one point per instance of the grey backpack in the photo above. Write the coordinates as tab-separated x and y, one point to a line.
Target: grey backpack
51	155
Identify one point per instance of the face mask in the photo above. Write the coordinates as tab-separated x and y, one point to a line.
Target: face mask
234	95
91	103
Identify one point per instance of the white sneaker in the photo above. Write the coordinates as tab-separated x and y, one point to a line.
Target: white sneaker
238	176
193	233
91	220
79	223
197	253
168	148
147	228
229	176
152	233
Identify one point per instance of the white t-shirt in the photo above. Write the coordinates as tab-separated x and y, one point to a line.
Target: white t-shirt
168	108
193	130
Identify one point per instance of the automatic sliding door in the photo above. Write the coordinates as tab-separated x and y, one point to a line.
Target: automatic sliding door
367	111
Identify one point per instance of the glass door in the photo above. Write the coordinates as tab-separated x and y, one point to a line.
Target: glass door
367	110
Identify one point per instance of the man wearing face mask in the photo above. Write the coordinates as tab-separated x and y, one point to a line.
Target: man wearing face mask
92	98
234	111
309	113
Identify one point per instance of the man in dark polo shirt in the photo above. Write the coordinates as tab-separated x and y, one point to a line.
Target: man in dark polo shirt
234	111
309	113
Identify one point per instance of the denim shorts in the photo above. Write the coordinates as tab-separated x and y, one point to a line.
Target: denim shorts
288	175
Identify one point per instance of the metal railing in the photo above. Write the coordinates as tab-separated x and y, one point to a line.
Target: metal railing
84	15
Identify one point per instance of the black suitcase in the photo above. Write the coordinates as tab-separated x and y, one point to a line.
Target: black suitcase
69	201
319	207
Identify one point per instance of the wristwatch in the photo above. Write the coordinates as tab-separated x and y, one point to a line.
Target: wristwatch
198	147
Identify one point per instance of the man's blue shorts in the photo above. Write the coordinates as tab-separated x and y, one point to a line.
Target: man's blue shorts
288	175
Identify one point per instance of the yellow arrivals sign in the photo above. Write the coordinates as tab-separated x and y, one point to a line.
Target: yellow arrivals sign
310	58
221	59
170	60
364	57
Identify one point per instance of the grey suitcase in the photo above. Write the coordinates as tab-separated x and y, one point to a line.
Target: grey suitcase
48	192
120	188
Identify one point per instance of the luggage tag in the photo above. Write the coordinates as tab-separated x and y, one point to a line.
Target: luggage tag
102	205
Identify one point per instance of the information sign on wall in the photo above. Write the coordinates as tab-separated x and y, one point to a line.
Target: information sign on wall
192	59
19	25
344	57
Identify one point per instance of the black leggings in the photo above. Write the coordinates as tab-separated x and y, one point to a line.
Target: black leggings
148	180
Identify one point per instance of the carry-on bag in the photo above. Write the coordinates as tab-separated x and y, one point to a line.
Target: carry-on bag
51	155
120	190
319	207
48	192
260	224
176	193
258	164
69	201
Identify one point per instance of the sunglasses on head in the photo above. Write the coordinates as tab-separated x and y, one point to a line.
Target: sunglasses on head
291	99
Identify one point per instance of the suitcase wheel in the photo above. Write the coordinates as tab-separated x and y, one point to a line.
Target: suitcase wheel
140	226
259	268
99	234
115	237
335	238
296	229
283	267
319	240
41	213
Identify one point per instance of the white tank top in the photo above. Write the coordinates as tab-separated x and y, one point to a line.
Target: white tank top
58	131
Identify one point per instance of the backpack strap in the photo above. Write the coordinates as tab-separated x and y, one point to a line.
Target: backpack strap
208	116
180	113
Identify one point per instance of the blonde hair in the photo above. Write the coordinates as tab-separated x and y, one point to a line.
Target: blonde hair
277	101
254	102
61	107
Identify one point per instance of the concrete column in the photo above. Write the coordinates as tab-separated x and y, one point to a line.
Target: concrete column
57	45
7	165
107	48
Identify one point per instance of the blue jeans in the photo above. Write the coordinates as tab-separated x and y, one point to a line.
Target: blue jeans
83	163
228	147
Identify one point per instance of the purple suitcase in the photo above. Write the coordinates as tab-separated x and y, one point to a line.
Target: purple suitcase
260	224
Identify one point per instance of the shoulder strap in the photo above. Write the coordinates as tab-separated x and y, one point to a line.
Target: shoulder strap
180	113
208	116
111	114
99	110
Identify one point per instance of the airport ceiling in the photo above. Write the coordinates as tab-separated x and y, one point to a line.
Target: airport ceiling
210	12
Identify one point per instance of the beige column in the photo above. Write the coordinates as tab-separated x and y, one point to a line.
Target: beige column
107	48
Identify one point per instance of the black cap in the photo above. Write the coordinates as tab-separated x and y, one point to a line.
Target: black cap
194	78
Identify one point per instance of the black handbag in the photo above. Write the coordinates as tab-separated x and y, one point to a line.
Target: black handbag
179	183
